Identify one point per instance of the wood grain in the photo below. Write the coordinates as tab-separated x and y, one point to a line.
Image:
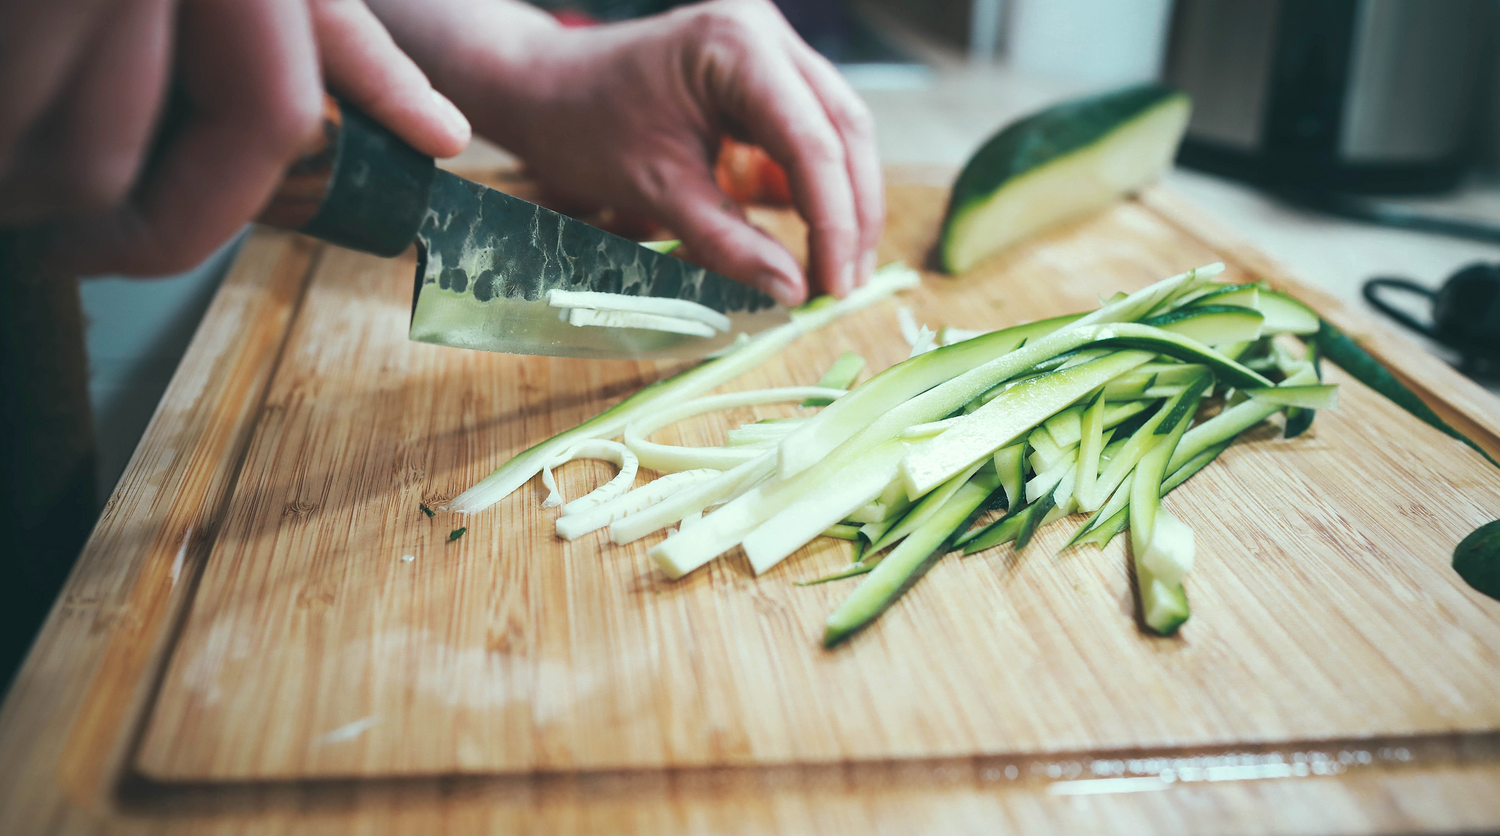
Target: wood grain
512	651
66	726
1328	632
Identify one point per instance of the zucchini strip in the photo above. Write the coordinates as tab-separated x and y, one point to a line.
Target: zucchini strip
584	317
923	510
840	375
1005	418
686	384
668	458
680	309
912	557
571	526
610	451
727	486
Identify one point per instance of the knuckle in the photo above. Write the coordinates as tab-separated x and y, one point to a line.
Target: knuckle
822	149
855	119
839	231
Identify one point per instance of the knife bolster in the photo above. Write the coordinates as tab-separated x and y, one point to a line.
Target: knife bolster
358	185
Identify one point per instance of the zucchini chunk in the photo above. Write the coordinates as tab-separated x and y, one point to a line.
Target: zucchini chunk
1061	163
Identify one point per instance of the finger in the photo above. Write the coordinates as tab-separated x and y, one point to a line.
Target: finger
851	118
250	70
363	64
90	147
715	231
757	86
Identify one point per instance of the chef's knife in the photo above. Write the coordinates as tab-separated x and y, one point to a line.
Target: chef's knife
486	259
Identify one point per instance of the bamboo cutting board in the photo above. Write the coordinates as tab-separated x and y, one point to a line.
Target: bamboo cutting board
1323	605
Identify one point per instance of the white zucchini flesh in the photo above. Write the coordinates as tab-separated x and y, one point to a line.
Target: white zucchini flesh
1286	315
1044	451
925	342
907	323
881	510
1325	396
923	511
1005	418
679	309
1122	462
1010	467
611	451
928	430
1090	446
1043	483
970	367
788	530
725	487
1233	421
1065	427
669	458
1169	553
760	433
584	317
571	526
736	360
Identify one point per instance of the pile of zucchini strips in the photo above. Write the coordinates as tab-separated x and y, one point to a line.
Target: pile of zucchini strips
1102	413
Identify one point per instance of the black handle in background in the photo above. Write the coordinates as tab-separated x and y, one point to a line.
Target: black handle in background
356	185
1372	296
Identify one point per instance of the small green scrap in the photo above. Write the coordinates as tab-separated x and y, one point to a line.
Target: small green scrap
428	511
456	533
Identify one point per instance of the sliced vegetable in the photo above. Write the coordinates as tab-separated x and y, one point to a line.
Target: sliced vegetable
654	306
911	559
1307	397
686	384
669	458
840	375
1061	163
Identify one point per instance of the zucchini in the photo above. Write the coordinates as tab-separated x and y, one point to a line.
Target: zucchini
911	559
1058	164
1211	324
840	375
686	384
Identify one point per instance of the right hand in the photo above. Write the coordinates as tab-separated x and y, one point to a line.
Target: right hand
85	84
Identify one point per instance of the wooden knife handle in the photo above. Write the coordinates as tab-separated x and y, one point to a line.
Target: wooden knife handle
356	185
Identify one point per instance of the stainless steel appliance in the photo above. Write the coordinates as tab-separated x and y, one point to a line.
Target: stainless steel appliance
1332	95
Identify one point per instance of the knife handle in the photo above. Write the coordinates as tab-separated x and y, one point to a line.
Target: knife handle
356	184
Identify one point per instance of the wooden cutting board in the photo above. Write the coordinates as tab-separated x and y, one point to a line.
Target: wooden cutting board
336	632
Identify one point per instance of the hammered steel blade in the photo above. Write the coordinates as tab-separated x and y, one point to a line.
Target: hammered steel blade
487	260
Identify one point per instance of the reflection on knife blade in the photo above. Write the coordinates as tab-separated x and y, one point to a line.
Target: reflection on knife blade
488	261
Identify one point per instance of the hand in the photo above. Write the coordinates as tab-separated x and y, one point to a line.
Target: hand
87	81
630	115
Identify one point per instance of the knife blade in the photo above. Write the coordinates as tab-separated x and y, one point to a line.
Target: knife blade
487	259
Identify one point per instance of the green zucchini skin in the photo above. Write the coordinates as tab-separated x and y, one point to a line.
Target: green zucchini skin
1477	559
1045	138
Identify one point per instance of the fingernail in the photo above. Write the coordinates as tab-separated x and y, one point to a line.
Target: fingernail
781	288
453	118
866	267
846	281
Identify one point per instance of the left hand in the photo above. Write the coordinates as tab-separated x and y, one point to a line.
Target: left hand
630	116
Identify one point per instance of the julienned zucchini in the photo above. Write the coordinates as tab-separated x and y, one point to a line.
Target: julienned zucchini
1095	412
1061	163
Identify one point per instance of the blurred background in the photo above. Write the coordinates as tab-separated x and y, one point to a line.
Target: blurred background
1347	138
